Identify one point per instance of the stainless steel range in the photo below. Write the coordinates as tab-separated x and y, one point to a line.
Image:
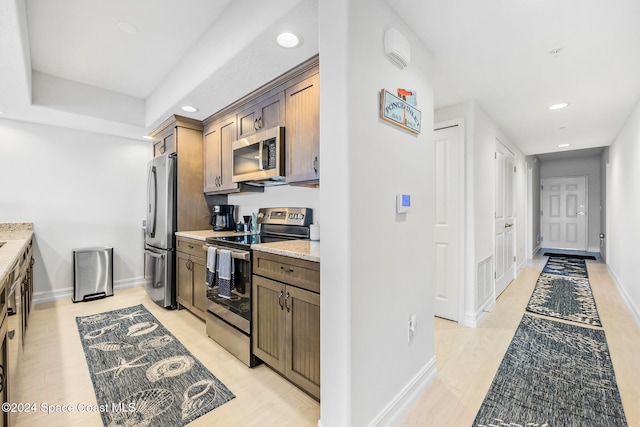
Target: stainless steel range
229	319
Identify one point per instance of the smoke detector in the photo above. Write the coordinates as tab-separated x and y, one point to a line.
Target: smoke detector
397	47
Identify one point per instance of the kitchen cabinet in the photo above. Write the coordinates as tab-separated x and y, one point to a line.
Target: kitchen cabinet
303	131
183	136
286	318
191	268
265	114
217	156
4	351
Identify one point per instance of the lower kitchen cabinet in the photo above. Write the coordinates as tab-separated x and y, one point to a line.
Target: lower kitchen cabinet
286	325
191	269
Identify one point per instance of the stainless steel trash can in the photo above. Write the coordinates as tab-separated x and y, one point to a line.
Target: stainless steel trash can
93	273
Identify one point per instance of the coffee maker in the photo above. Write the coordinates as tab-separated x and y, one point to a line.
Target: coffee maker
222	218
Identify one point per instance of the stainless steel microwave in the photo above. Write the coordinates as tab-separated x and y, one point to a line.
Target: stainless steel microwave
259	158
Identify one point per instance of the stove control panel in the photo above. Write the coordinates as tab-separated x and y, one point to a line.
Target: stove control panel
285	216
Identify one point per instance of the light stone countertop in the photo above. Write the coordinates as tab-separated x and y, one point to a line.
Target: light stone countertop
302	249
203	234
16	237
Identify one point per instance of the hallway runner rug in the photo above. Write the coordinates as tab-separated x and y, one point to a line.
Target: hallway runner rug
554	374
562	297
566	266
142	375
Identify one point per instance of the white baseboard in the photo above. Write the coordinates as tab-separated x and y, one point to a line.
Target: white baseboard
398	407
535	251
632	308
58	294
473	320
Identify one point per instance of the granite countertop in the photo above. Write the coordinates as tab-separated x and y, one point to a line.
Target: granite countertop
203	234
302	249
16	236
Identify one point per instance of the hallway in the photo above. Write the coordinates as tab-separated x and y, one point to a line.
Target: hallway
468	358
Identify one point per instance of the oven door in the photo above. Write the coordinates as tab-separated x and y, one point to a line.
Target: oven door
235	310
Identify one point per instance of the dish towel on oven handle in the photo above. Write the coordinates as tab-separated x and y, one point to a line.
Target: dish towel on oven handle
211	267
225	273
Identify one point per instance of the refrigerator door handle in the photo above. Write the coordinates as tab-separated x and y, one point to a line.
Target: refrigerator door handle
154	255
152	208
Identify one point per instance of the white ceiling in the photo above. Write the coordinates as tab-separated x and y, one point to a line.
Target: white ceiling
67	62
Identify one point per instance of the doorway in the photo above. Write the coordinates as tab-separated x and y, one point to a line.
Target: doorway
564	213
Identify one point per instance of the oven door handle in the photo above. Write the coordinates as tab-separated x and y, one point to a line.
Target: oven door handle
243	255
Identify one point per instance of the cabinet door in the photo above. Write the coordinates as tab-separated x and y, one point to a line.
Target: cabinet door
183	280
227	136
268	322
303	338
264	115
303	131
212	164
165	143
199	271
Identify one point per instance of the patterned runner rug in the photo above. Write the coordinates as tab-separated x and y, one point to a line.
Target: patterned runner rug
554	374
563	266
142	375
564	297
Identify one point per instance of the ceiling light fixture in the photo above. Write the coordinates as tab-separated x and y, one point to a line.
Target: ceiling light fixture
558	106
127	27
189	109
147	137
563	145
288	40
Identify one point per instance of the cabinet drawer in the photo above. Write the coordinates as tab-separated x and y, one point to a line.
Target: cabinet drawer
191	247
297	272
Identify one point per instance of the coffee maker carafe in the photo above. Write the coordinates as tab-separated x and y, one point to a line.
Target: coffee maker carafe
222	218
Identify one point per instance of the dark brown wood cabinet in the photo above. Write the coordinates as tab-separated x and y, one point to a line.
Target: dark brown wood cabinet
286	318
191	270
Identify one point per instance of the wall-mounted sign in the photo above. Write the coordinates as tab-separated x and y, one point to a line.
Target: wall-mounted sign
399	112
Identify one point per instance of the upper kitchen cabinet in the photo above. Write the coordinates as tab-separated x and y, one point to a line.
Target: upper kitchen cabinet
183	136
219	135
303	131
265	114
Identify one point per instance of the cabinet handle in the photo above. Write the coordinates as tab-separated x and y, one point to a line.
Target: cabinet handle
190	246
315	164
260	122
286	270
220	181
2	378
285	302
280	300
255	124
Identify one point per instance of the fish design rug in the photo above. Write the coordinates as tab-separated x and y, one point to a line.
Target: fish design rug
554	374
564	297
142	375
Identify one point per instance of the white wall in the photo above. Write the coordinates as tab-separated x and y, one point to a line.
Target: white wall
377	266
80	190
604	168
581	166
278	196
623	211
481	133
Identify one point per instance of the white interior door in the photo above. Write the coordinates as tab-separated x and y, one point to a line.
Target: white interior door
505	212
564	213
447	228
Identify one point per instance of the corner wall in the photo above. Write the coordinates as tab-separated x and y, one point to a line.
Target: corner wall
80	190
377	265
623	211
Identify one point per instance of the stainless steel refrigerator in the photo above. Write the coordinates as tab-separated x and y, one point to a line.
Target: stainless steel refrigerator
159	241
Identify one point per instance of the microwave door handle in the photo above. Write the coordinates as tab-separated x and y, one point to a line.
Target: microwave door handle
260	148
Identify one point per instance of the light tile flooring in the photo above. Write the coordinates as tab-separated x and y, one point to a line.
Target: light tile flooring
52	368
469	358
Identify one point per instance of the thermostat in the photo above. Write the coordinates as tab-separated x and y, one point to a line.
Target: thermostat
403	203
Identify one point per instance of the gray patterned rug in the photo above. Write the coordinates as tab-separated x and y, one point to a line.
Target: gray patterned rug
142	375
564	297
554	374
564	266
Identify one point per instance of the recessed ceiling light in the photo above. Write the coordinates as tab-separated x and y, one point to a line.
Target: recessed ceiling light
288	40
189	109
558	106
563	145
147	137
127	27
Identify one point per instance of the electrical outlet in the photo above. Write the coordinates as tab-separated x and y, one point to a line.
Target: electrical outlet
412	327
